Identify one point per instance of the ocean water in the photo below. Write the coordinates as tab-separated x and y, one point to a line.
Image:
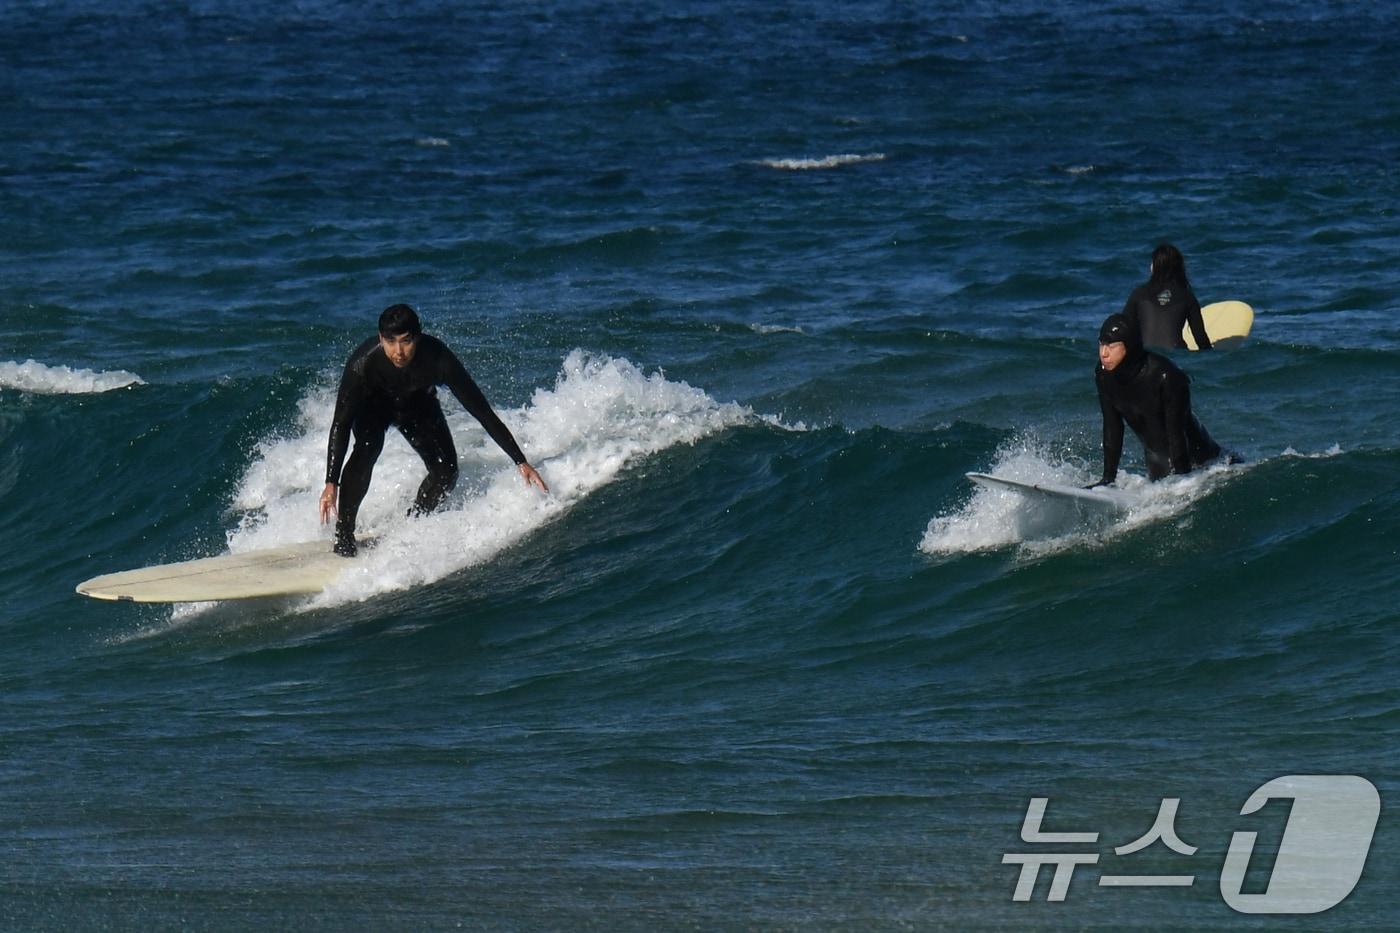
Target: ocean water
754	285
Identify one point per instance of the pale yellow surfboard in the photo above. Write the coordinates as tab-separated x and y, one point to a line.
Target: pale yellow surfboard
291	570
1227	324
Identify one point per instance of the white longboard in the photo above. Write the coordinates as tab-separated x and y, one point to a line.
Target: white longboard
292	570
1227	324
1101	501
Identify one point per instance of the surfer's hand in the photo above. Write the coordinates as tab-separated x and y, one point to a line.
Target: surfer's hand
328	497
532	478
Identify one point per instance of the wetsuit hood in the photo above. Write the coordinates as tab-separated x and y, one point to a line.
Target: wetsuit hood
1118	328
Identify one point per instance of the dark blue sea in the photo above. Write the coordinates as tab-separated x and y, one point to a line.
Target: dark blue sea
754	285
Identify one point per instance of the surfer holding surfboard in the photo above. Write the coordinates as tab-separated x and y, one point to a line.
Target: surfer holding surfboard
1164	306
1153	396
392	379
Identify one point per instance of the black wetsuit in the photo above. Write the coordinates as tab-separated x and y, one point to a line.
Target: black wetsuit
1161	310
1153	396
374	393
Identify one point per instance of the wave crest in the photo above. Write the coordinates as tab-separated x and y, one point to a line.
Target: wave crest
602	414
995	519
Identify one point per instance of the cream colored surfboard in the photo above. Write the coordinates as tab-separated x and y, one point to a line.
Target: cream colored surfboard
292	570
1227	324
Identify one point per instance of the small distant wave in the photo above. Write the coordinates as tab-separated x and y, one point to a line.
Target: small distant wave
826	162
1334	451
775	329
35	377
431	142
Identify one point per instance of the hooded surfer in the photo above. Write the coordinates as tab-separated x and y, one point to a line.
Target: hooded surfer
1153	396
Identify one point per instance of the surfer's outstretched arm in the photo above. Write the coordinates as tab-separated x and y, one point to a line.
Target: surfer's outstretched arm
460	382
1112	438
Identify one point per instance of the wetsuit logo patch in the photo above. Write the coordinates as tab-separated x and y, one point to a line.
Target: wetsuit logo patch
1164	297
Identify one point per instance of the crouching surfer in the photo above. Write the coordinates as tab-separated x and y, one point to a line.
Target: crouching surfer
392	379
1148	392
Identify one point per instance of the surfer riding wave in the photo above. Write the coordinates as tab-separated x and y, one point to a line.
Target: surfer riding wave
1152	396
392	379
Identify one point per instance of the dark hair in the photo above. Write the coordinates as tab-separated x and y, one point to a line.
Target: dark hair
399	319
1168	266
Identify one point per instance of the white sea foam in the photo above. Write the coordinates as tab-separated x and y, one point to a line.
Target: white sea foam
826	162
39	379
766	329
1334	451
993	519
602	414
